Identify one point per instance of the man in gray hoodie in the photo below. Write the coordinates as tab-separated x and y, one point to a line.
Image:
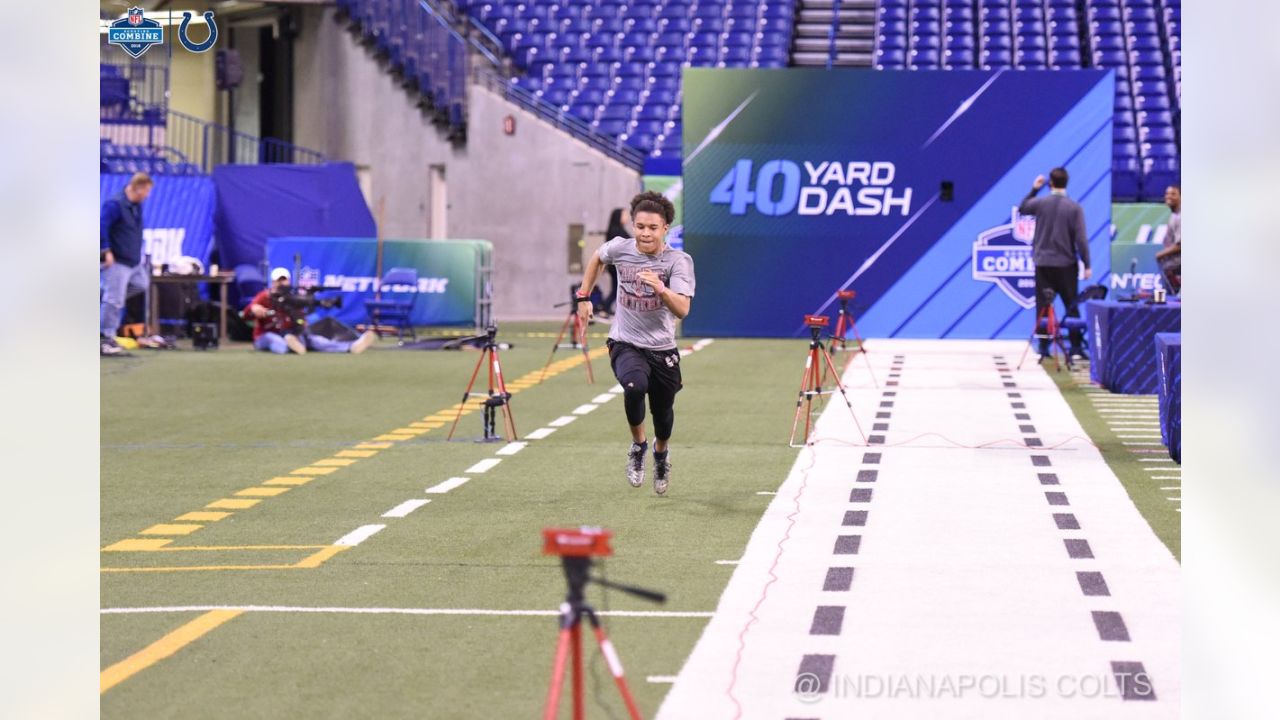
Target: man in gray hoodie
1059	240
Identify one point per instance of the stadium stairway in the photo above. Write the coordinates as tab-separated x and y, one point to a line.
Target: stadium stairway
832	32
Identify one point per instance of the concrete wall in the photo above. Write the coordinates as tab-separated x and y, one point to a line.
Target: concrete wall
520	192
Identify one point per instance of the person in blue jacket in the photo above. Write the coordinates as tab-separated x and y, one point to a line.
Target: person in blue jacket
120	255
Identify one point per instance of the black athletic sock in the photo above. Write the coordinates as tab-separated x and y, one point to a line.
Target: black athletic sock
660	456
643	445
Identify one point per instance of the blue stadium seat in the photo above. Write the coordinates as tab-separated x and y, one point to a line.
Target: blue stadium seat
645	127
888	56
997	42
1157	134
1159	174
926	42
1159	150
617	112
960	43
892	42
1126	180
1064	59
997	58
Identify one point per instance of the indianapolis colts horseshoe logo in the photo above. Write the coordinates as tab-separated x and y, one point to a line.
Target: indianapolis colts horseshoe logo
193	46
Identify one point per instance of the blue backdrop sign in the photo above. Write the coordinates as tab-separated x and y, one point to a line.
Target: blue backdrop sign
448	273
899	185
177	217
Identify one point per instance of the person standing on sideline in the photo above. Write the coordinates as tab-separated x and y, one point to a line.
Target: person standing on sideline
619	227
655	288
120	254
1059	240
1170	258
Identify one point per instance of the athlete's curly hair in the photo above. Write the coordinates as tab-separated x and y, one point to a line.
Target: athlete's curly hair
654	202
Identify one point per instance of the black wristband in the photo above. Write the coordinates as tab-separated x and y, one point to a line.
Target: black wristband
578	299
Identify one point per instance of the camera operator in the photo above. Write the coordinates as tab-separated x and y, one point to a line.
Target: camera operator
277	328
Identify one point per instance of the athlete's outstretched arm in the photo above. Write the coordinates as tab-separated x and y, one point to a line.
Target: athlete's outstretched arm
589	274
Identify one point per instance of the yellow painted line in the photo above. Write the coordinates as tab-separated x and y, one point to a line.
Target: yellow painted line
263	491
314	470
163	648
137	544
203	516
394	438
164	529
289	480
193	568
333	462
317	559
425	425
373	446
439	418
233	503
229	548
415	432
357	453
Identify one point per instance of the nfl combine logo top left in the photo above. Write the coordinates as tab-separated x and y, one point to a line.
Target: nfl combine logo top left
134	33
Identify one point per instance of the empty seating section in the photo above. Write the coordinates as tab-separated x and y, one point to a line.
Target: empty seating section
1141	41
115	158
617	64
972	34
421	46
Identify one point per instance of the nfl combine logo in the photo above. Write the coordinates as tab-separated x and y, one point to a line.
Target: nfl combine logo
1002	255
134	33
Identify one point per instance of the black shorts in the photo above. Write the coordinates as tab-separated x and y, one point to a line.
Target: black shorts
662	367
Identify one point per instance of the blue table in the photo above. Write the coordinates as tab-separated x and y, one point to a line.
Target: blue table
1121	336
1169	362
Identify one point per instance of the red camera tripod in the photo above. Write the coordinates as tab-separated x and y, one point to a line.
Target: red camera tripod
576	547
816	364
495	398
845	323
577	340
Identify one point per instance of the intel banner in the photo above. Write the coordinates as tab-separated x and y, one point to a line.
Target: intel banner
900	186
1137	234
448	273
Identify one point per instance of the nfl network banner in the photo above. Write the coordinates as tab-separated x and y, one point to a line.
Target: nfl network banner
448	273
177	217
901	186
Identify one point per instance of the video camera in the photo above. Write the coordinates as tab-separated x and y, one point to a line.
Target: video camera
297	303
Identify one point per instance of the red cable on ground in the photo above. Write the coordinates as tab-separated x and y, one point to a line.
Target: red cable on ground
791	521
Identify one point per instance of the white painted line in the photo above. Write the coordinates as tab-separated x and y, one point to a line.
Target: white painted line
562	421
539	433
686	353
1138	436
766	492
447	485
1159	460
703	343
484	465
393	611
1177	499
727	562
511	448
661	678
359	535
603	398
406	507
616	389
584	409
1165	477
1141	444
1144	423
1162	469
1174	487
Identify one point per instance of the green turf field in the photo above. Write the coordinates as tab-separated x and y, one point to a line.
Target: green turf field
183	430
311	440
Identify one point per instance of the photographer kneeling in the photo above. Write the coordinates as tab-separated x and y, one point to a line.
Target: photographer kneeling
277	323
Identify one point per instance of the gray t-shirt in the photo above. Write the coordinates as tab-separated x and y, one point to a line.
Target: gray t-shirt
641	318
1173	236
